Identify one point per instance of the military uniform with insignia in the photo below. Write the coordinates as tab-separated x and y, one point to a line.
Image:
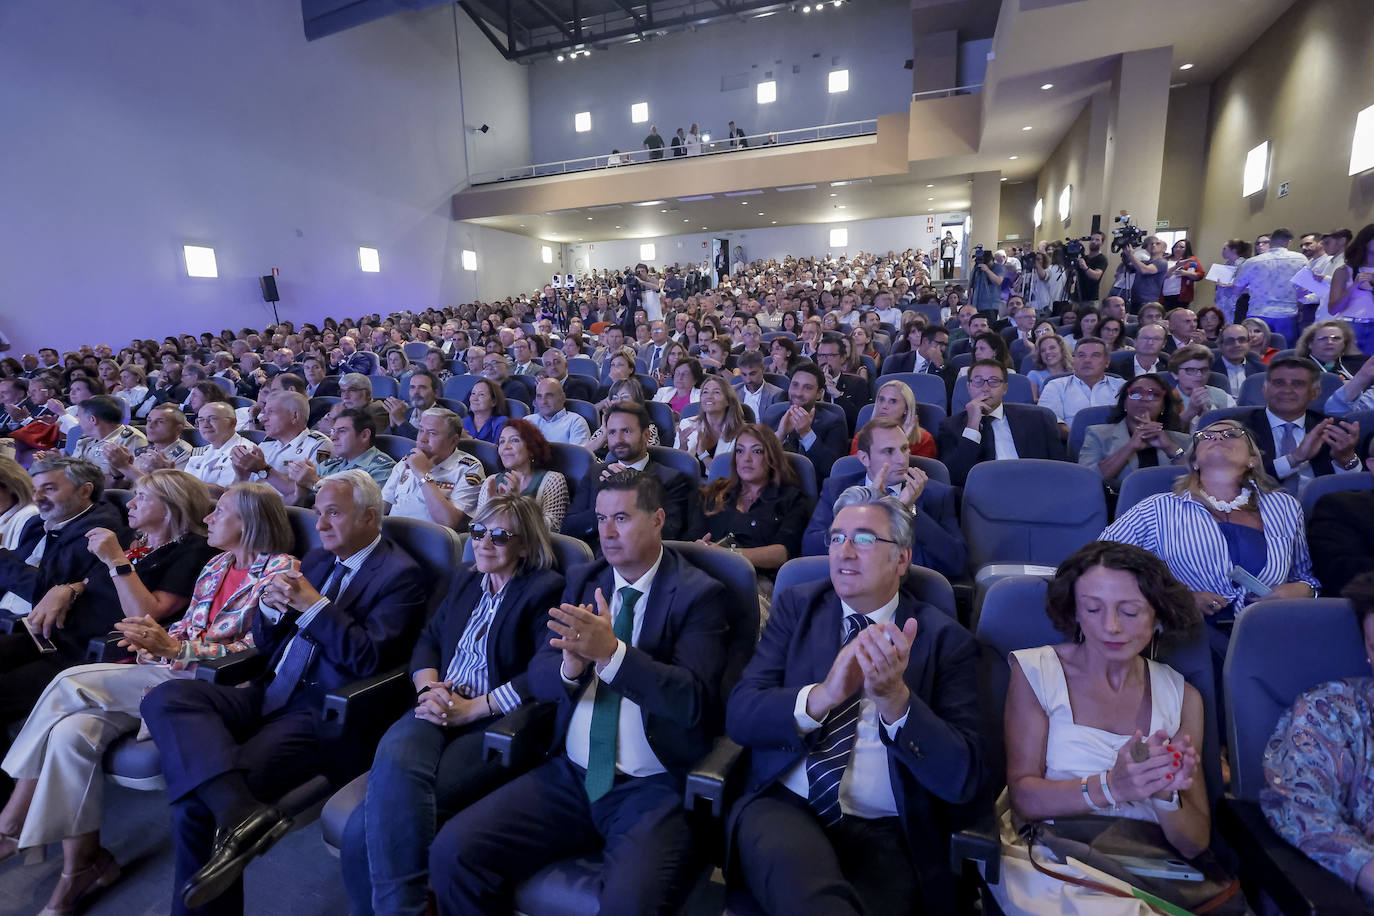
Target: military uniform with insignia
178	453
212	465
310	445
123	435
460	476
377	463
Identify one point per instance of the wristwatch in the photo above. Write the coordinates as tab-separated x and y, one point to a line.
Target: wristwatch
1354	463
1177	455
123	569
427	478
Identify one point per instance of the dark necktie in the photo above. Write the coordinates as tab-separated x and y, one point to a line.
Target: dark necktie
653	363
298	652
989	439
828	757
605	727
1288	443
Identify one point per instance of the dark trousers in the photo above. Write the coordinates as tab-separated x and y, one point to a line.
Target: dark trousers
422	776
947	268
486	850
791	863
205	730
24	673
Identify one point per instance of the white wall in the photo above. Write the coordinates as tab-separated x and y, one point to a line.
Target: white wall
133	128
507	264
681	77
896	233
496	92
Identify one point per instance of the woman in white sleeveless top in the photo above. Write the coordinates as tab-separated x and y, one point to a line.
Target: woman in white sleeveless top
1075	713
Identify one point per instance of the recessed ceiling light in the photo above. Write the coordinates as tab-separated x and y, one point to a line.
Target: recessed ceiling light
684	220
930	185
590	217
930	198
617	227
775	222
806	9
703	228
1027	127
1047	86
931	210
744	203
760	213
840	207
834	194
662	211
1013	157
1004	179
1185	66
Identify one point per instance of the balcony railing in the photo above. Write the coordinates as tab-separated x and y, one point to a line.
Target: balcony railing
710	146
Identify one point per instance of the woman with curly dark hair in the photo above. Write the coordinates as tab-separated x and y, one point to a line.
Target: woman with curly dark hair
1095	725
1143	431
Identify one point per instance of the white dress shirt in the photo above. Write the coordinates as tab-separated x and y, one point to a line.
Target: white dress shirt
1001	434
751	399
866	787
1067	395
1283	468
212	465
459	475
307	445
633	755
564	426
351	566
1235	374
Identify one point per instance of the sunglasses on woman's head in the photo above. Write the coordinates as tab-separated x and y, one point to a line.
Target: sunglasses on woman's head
499	536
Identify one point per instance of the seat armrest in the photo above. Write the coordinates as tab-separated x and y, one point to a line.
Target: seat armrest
521	738
99	649
378	700
232	669
715	780
1295	883
979	842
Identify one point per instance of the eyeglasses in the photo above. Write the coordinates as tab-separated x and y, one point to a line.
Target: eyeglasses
1330	338
863	540
1219	434
499	536
1192	370
989	382
1144	395
1235	340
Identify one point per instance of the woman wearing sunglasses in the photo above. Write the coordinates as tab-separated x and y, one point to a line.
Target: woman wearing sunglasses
1225	513
1143	431
468	668
525	456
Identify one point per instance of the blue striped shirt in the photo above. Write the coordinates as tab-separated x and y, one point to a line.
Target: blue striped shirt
1182	532
467	672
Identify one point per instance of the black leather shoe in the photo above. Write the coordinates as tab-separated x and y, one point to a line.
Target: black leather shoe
234	849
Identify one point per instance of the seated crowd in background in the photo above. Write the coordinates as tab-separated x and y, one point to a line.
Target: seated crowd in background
853	412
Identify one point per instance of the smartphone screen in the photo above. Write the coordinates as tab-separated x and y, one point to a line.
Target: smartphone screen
44	644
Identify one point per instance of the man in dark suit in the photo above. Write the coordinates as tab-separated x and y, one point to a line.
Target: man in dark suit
316	384
977	324
847	391
1149	355
1234	359
1340	535
73	600
753	389
1299	444
883	445
635	667
627	443
991	430
806	429
1018	333
928	358
574	386
860	711
226	750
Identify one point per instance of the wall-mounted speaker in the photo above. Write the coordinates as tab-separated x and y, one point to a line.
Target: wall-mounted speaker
269	288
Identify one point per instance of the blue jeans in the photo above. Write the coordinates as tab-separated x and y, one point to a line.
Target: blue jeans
1287	326
422	775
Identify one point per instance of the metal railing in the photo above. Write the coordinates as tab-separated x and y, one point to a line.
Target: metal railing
709	146
946	93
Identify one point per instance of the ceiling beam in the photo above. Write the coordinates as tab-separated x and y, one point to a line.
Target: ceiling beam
507	51
554	20
639	23
734	10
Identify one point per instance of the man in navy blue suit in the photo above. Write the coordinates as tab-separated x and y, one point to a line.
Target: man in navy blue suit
990	429
224	750
883	446
860	709
635	667
806	429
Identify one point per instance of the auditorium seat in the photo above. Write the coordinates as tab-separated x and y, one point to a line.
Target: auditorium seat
225	383
1144	482
383	386
929	416
1318	487
253	435
457	387
583	365
307	536
572	461
483	451
929	389
662	416
687	464
415	350
452	404
1222	413
1279	649
1252	390
934	468
1078	431
584	409
395	447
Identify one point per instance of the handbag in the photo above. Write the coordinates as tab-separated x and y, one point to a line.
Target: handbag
38	435
1096	841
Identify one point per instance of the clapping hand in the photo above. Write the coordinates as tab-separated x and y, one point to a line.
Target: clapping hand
584	633
396	410
247	459
799	419
881	651
1342	437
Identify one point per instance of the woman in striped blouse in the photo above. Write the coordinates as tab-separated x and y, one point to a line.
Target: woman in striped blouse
1225	513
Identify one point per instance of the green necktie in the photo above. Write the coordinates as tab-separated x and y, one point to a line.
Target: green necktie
601	737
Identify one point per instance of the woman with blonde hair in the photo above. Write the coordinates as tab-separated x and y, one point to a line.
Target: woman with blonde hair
16	504
1051	357
714	429
56	758
895	401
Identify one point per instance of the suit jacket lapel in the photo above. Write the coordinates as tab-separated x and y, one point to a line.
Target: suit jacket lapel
1024	448
364	573
825	635
502	621
660	600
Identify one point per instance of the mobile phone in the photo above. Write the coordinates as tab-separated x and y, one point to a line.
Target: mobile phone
44	644
1175	869
727	541
1250	583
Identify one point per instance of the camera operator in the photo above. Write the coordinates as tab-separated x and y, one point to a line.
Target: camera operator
988	269
1149	266
1091	265
552	307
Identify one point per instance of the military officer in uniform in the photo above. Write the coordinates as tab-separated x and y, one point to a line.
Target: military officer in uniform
103	430
288	439
212	464
165	448
351	437
436	482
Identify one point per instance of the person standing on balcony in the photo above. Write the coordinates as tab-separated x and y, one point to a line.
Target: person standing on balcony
736	136
679	144
694	142
654	143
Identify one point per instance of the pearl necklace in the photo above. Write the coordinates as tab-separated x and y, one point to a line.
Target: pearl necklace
1227	507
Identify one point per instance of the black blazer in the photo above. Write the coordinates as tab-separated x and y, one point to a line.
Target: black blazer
518	629
673	672
832	442
66	560
369	629
1252	364
855	392
1340	535
1123	364
679	504
329	388
937	759
1258	425
939	541
1035	433
580	389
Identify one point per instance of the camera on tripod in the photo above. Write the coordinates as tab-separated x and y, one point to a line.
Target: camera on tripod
1073	249
1126	234
981	256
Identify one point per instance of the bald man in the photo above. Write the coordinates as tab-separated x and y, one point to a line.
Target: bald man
552	417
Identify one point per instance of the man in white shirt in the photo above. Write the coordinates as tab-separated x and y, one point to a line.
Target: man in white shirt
634	664
212	463
755	391
770	318
288	439
1268	278
553	420
887	312
436	482
854	767
1089	386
